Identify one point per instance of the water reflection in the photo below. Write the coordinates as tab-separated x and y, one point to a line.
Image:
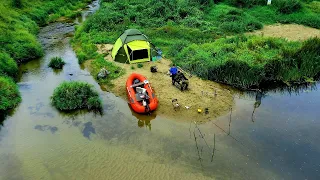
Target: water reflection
144	120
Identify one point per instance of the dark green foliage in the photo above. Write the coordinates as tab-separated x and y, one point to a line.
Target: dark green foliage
288	6
8	66
56	63
17	3
139	65
9	93
76	95
246	3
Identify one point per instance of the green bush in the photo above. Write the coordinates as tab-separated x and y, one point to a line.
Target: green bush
288	6
76	95
9	93
139	65
8	66
56	63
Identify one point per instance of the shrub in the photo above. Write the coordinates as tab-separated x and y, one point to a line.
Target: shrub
75	95
288	6
8	66
56	63
139	65
9	93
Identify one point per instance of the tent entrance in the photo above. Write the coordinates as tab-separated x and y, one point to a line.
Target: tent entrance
139	54
138	51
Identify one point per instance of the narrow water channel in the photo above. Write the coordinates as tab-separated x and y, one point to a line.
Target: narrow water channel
272	136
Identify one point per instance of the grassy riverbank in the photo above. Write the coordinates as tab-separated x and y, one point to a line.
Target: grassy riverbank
193	34
19	25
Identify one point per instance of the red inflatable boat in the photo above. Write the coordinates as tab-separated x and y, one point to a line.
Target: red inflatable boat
140	95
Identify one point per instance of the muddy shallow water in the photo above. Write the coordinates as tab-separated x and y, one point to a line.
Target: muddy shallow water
275	140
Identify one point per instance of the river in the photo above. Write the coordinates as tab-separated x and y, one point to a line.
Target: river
272	136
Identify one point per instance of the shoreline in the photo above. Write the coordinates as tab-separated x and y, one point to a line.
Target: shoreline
199	95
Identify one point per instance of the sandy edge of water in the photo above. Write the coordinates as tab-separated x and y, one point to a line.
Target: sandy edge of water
201	93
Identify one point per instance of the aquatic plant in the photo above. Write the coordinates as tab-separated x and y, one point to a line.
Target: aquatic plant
9	93
56	63
76	95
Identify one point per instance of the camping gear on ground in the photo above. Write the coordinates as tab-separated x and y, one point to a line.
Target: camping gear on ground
153	69
206	110
140	94
103	73
175	104
133	47
181	81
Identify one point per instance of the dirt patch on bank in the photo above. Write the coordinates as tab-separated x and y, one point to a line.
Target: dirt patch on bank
201	93
292	32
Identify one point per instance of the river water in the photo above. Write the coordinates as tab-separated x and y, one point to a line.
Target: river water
271	136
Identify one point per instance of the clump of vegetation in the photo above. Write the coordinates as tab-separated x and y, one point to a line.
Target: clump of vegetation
132	67
56	63
139	65
76	95
9	93
288	6
8	66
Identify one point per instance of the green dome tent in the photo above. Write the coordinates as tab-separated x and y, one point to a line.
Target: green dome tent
132	47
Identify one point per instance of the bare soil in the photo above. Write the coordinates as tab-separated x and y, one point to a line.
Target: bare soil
292	32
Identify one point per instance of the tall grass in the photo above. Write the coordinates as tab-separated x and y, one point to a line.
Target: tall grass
76	95
9	93
250	62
